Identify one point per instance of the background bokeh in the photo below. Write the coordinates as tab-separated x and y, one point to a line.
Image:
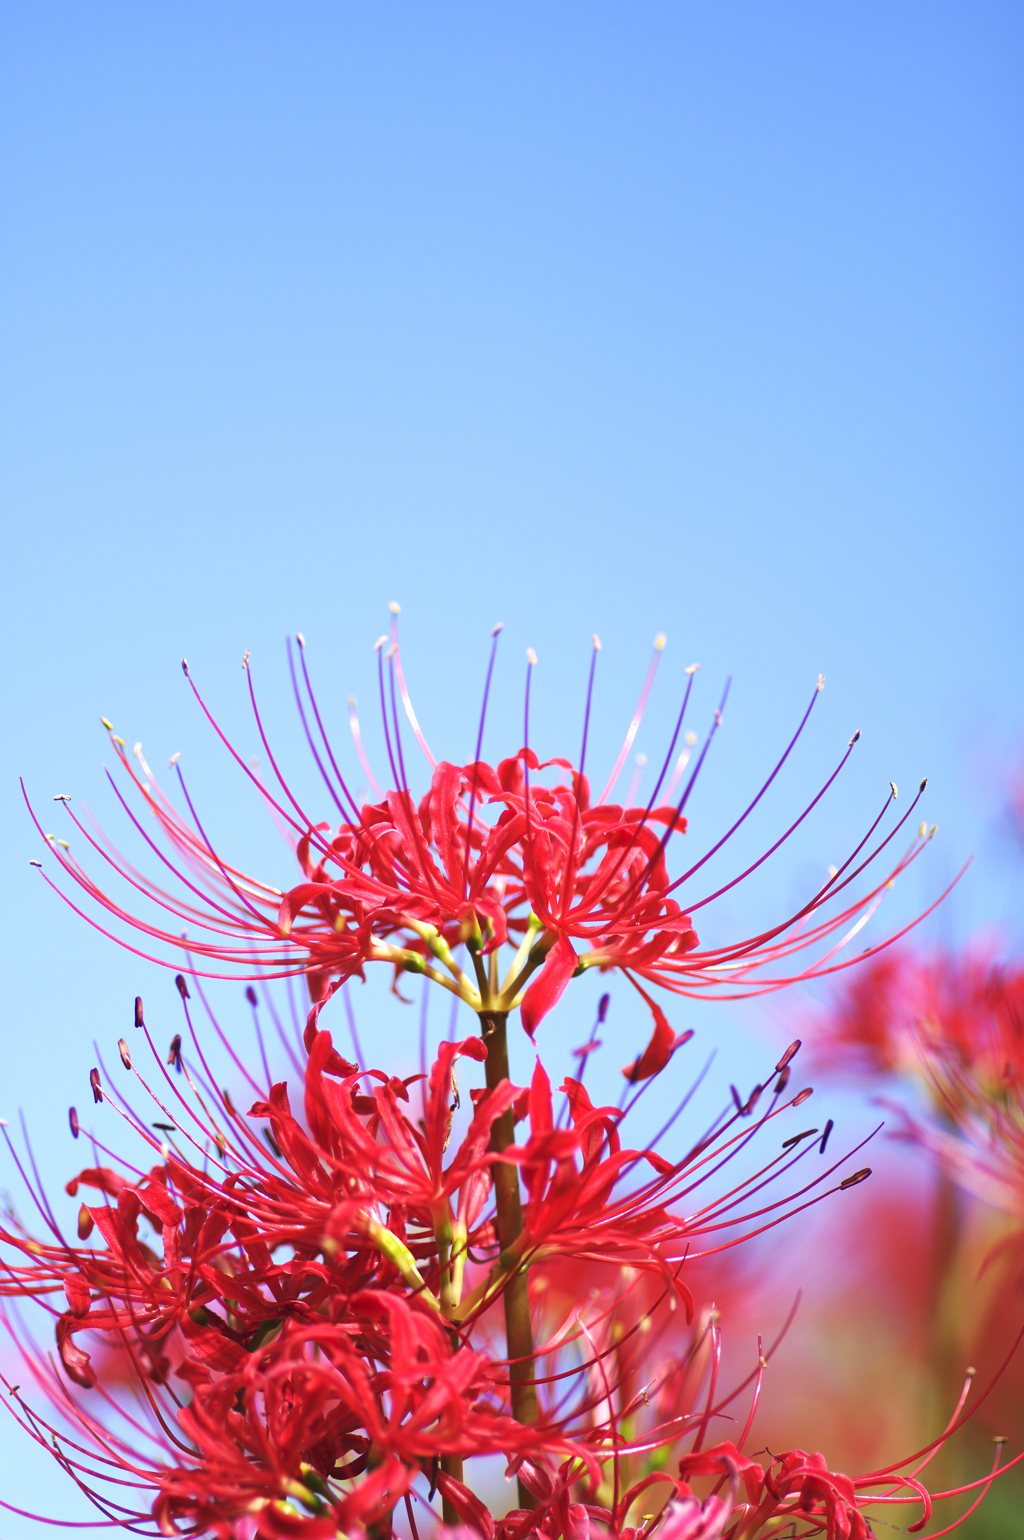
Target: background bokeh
703	319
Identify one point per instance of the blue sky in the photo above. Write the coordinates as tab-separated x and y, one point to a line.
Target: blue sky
703	319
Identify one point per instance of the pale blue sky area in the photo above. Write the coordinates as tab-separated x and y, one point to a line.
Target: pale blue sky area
617	318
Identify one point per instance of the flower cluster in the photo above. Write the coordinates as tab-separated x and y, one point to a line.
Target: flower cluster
307	1318
516	857
956	1026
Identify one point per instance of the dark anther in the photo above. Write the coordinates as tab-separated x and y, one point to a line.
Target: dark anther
73	1122
435	1470
737	1098
751	1102
790	1052
824	1138
174	1057
802	1097
782	1082
140	1020
167	1128
182	987
922	786
797	1137
228	1103
602	1007
122	1048
275	1148
94	1081
858	1176
184	667
250	994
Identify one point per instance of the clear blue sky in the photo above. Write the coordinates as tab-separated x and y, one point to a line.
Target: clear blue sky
582	317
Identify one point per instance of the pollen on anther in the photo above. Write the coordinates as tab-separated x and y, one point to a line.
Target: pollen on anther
108	725
395	607
62	796
245	658
895	793
173	760
691	669
496	630
531	657
379	643
301	640
596	642
923	830
821	681
659	641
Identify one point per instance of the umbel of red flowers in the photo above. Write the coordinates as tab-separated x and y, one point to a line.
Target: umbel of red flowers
305	1320
499	884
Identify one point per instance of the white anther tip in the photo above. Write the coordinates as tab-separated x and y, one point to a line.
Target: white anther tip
497	630
173	760
692	669
531	657
659	641
301	640
395	607
62	796
596	642
821	681
379	643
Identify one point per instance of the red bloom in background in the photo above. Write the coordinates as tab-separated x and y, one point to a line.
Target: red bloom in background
956	1026
515	865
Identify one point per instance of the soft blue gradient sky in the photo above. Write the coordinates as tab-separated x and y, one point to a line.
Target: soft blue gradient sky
581	317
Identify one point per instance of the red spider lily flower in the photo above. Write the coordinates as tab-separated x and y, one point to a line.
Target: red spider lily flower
318	1298
956	1026
489	857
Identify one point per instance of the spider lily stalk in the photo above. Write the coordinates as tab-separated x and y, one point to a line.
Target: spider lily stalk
499	883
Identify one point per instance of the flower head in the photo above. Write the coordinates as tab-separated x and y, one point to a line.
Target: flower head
499	882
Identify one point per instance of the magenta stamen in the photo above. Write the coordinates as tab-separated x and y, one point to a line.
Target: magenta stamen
476	758
396	780
309	824
309	737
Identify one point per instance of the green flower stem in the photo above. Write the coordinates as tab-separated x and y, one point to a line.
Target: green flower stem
515	1297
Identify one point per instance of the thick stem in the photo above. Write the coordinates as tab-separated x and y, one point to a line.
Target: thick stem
451	1464
516	1296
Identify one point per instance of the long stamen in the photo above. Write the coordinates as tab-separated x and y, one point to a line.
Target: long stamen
634	726
309	737
357	739
378	648
476	757
403	691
